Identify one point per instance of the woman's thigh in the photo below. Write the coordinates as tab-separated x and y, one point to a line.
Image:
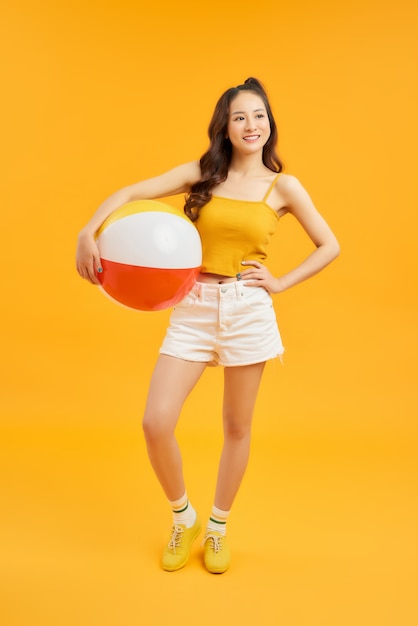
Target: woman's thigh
171	382
240	394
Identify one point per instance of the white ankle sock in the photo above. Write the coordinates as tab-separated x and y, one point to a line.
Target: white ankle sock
183	512
217	521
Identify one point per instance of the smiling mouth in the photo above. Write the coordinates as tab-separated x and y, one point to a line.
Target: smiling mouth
251	137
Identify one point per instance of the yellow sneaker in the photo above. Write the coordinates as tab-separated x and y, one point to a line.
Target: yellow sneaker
217	554
178	549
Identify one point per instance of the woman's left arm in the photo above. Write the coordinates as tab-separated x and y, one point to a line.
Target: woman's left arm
296	200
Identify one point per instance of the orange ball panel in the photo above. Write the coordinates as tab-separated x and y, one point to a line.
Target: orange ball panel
145	288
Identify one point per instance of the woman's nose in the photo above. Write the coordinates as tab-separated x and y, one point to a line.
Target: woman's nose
251	124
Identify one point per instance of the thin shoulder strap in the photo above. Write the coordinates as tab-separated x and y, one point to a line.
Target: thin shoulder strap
270	189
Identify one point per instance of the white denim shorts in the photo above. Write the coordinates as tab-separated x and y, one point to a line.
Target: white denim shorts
227	324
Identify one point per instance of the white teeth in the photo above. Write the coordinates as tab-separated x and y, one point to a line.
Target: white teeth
252	138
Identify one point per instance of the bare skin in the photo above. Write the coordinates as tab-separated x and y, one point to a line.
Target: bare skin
240	393
162	411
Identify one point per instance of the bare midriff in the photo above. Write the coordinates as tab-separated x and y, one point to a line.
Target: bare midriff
215	278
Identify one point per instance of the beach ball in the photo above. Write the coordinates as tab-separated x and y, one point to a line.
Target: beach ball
150	255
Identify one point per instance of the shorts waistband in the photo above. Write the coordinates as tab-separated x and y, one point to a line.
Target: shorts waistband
216	290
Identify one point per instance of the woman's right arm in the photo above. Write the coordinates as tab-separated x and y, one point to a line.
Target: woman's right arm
175	181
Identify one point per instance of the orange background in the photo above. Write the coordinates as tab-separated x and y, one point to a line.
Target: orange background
97	95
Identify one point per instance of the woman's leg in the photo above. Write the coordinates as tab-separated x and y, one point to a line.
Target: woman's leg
171	382
241	388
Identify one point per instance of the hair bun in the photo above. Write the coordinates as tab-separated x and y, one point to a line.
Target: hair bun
254	82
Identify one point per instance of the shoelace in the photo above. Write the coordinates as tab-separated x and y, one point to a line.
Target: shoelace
176	537
216	541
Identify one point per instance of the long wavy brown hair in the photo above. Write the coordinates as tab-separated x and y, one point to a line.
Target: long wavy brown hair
215	162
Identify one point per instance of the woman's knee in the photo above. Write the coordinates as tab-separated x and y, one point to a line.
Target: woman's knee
236	429
157	425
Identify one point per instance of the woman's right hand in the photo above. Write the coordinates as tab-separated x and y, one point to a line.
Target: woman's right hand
88	258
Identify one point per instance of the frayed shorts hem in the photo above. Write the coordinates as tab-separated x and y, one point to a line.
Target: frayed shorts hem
212	363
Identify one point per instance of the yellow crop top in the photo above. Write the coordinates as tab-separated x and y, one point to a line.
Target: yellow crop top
232	231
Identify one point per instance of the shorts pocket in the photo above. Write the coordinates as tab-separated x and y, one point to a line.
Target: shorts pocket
188	301
257	299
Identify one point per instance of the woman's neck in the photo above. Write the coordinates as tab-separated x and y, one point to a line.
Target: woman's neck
248	166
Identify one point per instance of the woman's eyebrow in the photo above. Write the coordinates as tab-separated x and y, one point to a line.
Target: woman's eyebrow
255	111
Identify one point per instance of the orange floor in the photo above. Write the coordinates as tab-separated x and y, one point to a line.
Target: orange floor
323	531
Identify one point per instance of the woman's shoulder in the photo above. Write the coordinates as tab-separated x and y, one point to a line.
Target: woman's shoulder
191	171
289	186
287	191
180	179
287	182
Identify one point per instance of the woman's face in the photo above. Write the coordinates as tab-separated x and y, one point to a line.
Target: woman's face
248	123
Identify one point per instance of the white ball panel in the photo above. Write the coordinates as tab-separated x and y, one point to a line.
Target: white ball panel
152	239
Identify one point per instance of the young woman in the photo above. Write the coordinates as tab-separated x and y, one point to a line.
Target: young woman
236	194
